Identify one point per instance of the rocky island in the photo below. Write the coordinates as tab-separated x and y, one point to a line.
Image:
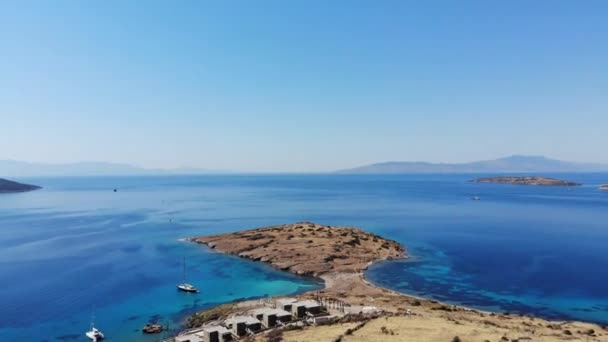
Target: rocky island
604	187
307	248
353	308
7	186
527	180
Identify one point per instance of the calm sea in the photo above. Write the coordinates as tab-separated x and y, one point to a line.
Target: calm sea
76	248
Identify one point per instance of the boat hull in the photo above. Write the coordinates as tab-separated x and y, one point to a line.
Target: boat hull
94	337
152	329
185	289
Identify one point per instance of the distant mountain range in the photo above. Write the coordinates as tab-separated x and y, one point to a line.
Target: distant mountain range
512	164
515	164
13	168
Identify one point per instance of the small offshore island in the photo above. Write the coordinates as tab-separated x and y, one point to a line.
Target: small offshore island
350	308
527	180
307	248
604	187
7	186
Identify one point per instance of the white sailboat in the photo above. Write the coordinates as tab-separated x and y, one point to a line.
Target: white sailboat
184	286
94	334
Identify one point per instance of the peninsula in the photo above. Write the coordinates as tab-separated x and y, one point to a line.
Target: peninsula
527	180
353	308
7	186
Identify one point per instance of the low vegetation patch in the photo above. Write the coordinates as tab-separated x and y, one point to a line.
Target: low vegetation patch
200	318
275	335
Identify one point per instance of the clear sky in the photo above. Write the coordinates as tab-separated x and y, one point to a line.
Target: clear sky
302	85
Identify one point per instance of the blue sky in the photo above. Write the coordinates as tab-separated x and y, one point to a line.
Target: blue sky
302	85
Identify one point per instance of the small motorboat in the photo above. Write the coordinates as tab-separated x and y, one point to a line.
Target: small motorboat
152	328
475	198
94	334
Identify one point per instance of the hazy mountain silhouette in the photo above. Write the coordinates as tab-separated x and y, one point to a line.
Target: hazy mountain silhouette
13	168
508	164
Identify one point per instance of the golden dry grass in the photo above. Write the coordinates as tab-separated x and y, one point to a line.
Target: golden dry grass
322	333
438	328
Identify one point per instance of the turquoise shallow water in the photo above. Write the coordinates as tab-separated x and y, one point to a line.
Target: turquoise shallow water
76	247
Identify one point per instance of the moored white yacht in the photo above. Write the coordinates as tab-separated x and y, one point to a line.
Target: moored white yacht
187	287
184	286
94	334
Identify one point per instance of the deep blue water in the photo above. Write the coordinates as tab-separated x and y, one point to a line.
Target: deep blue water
76	247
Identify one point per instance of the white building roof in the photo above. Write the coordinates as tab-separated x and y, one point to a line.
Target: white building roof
188	337
220	329
281	313
307	303
246	319
270	311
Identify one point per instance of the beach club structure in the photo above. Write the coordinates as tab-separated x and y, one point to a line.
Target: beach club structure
243	325
285	303
285	311
299	309
215	333
304	308
272	317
